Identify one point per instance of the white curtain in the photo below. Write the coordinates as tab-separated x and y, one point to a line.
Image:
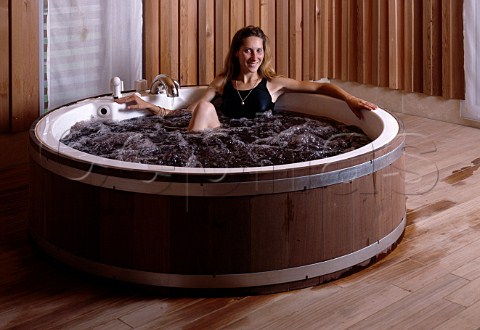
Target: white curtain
471	27
88	43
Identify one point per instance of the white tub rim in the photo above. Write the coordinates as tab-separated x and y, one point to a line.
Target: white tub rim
390	128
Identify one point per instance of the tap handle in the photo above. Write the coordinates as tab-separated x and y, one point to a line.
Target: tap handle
116	87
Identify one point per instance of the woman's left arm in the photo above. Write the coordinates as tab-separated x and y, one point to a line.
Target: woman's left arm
291	85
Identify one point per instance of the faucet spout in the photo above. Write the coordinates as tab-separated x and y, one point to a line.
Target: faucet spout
164	84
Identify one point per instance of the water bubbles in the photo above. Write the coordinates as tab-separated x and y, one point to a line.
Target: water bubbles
270	139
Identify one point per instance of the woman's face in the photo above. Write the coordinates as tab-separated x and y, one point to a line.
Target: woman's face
250	55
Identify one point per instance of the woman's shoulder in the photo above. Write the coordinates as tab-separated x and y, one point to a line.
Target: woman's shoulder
218	84
217	81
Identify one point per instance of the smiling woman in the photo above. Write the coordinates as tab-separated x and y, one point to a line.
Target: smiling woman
248	71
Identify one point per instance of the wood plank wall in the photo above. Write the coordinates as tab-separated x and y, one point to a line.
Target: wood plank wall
4	67
19	70
409	45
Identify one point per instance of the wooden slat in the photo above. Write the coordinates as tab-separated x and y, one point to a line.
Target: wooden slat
169	38
380	74
152	38
296	46
336	21
432	47
24	64
237	16
282	38
345	40
352	36
222	33
395	27
413	46
206	42
4	68
268	23
188	43
309	49
365	23
348	38
321	38
453	85
252	12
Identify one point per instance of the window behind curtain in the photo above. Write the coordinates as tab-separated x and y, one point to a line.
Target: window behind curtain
87	43
471	15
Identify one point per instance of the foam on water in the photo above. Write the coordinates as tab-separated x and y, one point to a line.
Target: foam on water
269	139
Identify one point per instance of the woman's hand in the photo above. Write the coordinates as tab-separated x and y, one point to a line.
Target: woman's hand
357	105
135	102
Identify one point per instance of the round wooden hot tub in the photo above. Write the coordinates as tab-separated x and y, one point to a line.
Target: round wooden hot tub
260	229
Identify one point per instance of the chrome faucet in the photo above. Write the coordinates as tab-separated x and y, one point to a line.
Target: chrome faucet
163	83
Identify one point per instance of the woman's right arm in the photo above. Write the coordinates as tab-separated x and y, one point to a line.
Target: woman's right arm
134	102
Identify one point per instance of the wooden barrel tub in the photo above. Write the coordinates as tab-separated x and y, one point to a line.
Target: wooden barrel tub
254	230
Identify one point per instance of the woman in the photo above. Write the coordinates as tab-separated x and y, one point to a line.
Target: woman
248	85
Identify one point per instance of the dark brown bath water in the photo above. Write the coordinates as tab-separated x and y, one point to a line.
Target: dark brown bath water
270	139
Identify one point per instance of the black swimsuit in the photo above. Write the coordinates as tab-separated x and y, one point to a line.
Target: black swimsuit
257	102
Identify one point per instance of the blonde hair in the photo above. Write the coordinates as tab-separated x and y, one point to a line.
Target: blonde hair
232	65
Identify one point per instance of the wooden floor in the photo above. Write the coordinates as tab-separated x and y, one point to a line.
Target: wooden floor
430	281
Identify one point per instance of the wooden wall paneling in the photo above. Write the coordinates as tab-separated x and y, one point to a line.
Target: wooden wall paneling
345	40
380	60
309	46
453	82
321	39
237	16
169	38
418	48
348	38
352	36
188	66
413	49
252	12
336	58
365	41
222	33
24	63
282	38
268	23
409	50
295	47
151	12
395	33
375	42
4	67
432	47
206	41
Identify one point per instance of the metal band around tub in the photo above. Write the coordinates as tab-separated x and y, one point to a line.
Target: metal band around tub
226	280
218	188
